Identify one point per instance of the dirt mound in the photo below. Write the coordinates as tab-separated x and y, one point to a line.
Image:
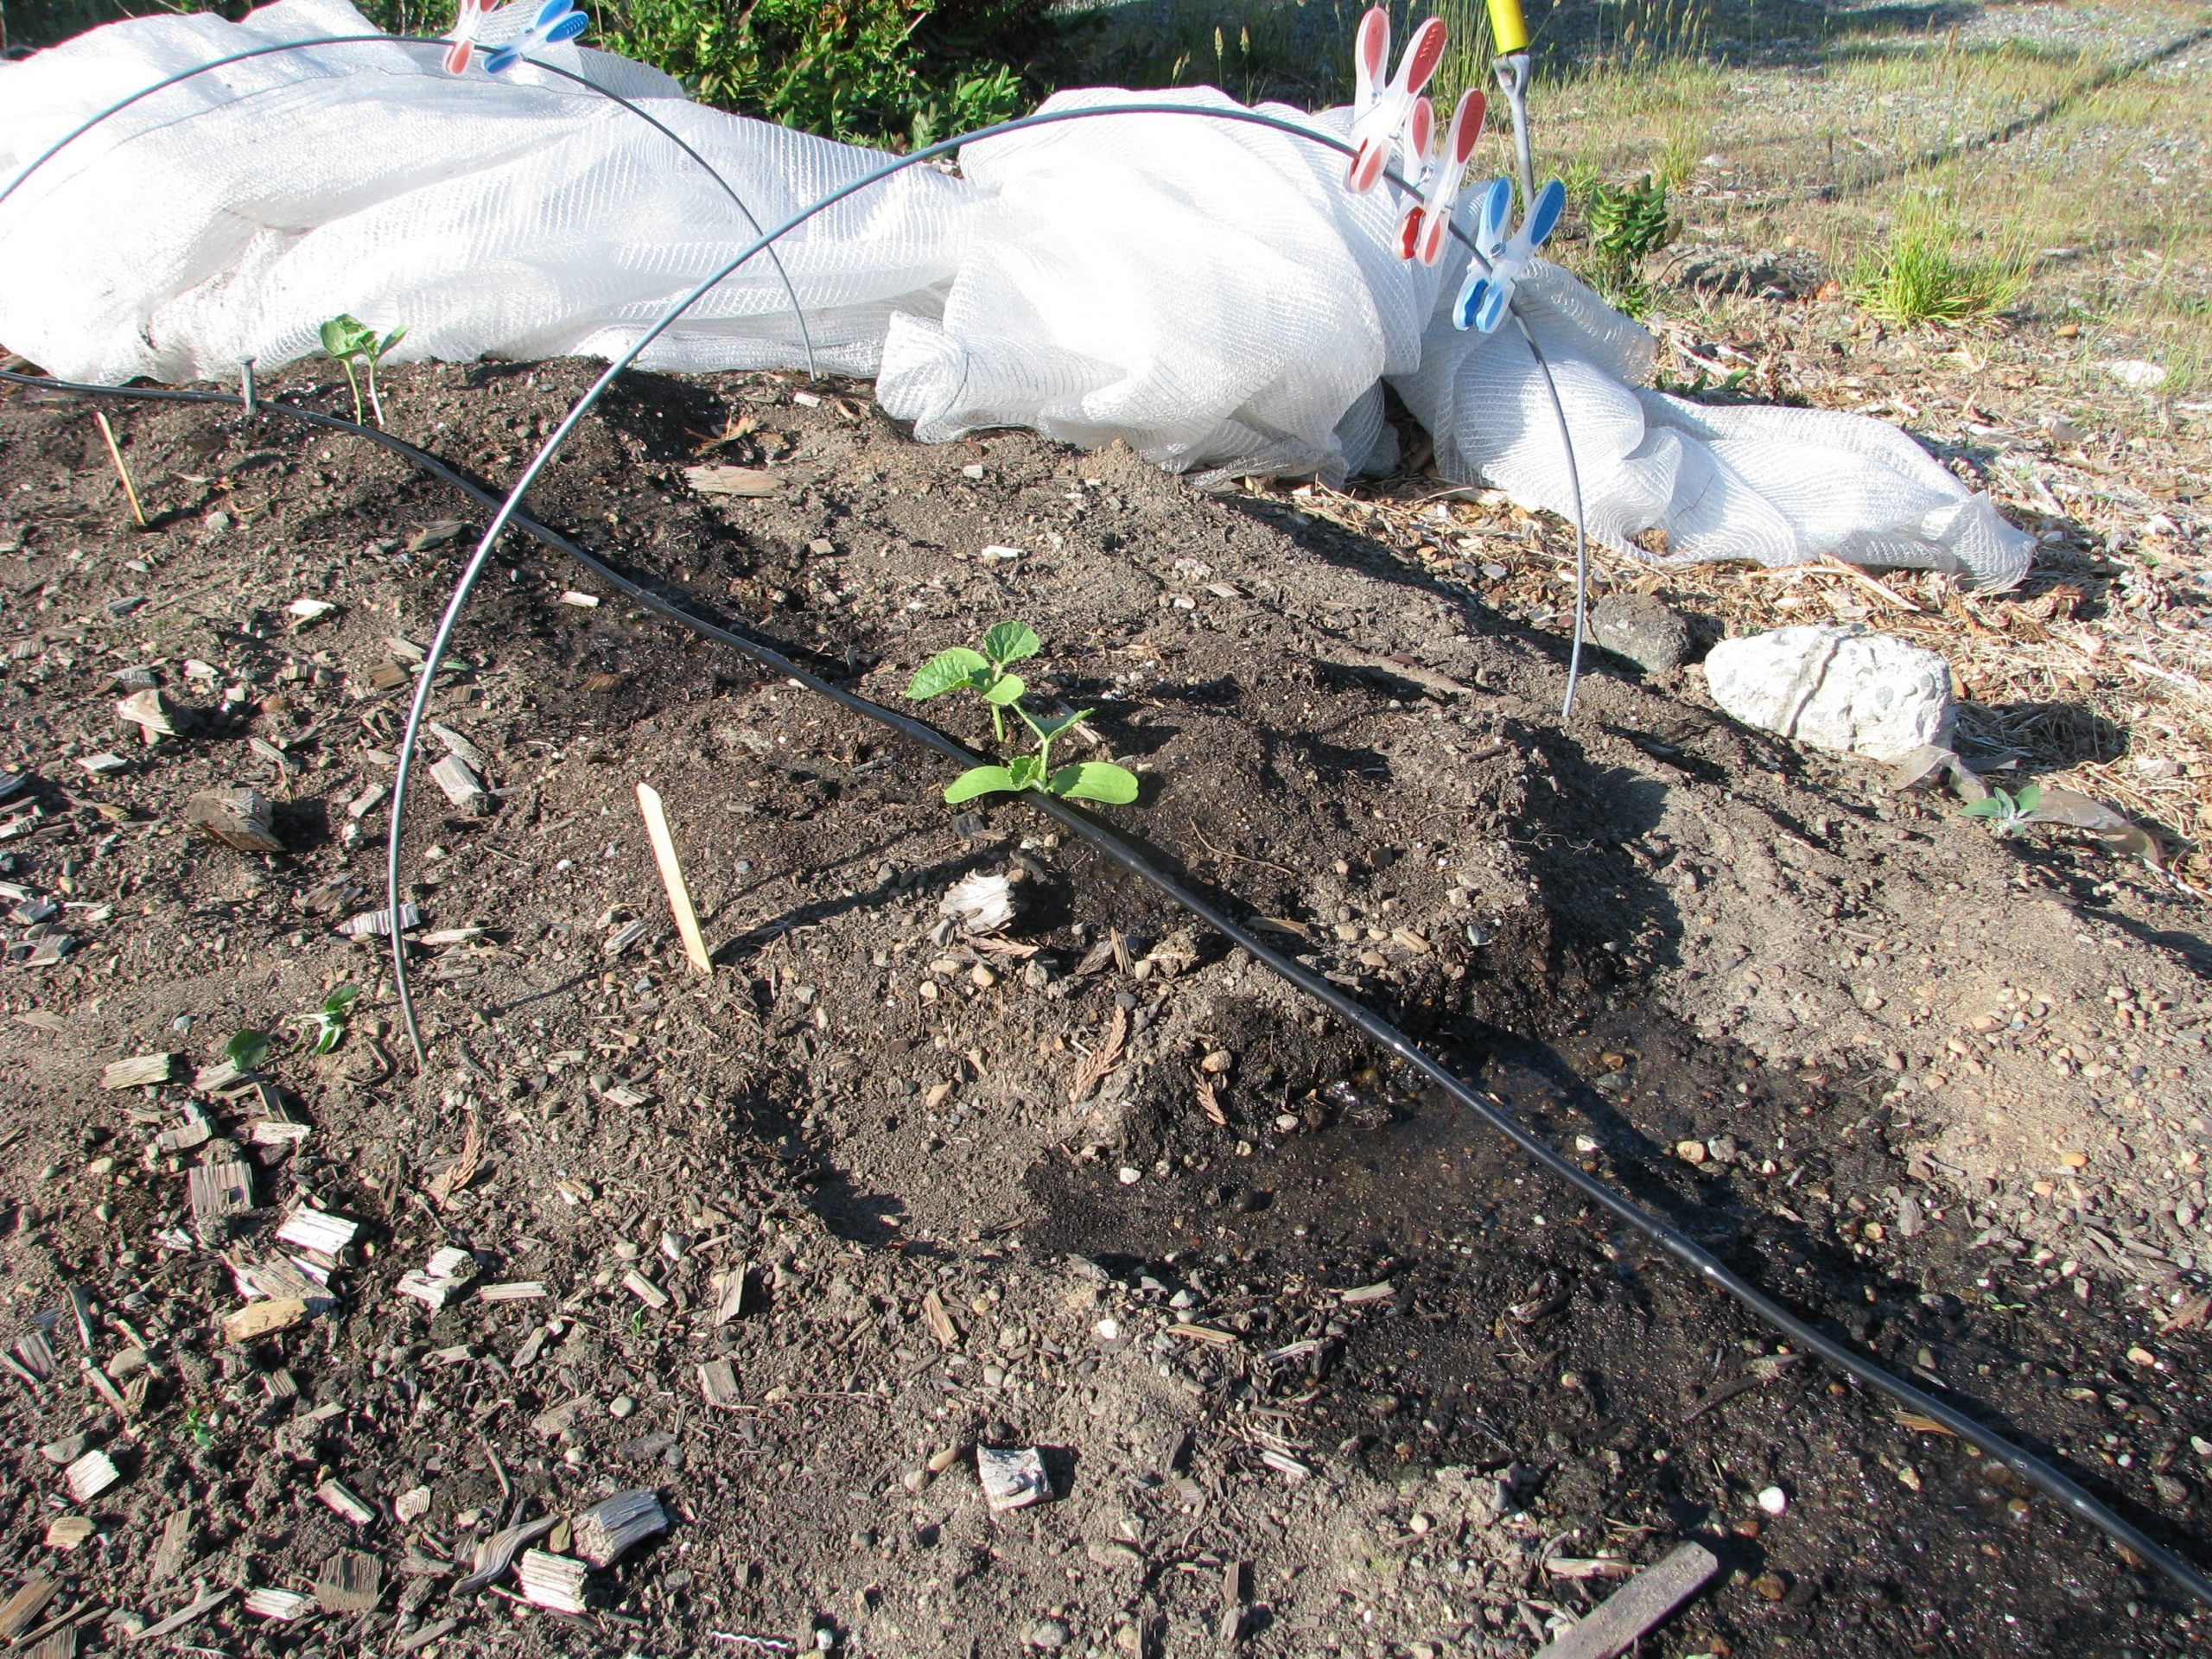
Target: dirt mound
1096	1183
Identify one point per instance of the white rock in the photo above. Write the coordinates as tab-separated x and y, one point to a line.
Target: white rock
1835	687
1773	1500
2136	374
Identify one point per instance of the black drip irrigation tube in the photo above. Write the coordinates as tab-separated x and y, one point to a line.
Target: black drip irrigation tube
2045	1477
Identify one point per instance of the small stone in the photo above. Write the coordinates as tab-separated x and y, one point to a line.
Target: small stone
620	1407
1691	1152
1656	637
1128	1175
1049	1634
1773	1500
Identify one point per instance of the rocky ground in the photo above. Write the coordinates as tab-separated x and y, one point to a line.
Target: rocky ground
1310	1364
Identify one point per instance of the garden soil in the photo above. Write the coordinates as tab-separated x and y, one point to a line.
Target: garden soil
1311	1363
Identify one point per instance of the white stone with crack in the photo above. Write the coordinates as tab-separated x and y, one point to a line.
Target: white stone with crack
1835	686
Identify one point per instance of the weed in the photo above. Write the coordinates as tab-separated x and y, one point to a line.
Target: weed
347	341
983	671
1628	224
1922	276
2008	815
199	1426
326	1027
247	1049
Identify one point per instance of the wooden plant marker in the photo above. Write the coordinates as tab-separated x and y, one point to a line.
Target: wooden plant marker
672	877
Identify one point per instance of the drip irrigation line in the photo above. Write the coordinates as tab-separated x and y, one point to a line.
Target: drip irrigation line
798	312
2045	1477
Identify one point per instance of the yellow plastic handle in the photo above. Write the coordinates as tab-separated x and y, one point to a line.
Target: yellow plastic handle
1507	32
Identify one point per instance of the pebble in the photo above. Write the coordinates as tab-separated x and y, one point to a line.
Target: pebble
1128	1175
1048	1634
1773	1500
620	1407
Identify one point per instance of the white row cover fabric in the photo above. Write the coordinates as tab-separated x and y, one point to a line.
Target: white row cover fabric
1202	289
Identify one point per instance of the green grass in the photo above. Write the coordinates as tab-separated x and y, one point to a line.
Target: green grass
1927	274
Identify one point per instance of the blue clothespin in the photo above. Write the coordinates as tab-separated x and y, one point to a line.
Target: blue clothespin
1488	295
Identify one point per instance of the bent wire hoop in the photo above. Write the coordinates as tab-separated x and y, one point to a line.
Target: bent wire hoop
798	312
419	705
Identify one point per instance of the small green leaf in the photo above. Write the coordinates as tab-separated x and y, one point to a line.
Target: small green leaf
2029	798
978	780
1007	688
391	339
948	671
340	999
1027	770
1095	781
1049	729
329	1033
1010	642
1988	806
347	337
246	1050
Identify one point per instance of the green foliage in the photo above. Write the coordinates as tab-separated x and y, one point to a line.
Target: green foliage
247	1049
983	672
1922	276
347	341
326	1027
1628	224
865	71
2008	815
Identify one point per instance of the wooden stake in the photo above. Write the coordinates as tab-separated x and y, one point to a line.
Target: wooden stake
114	454
672	877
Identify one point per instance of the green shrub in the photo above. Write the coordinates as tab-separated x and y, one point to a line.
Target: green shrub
864	71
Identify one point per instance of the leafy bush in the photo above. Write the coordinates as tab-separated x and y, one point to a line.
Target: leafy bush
864	71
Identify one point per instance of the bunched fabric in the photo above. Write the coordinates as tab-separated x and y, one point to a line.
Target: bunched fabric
1202	289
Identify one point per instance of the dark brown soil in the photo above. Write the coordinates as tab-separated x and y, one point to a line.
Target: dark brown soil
1644	926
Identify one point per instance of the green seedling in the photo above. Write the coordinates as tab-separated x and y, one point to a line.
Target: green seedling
984	672
2008	815
326	1027
199	1427
347	341
247	1049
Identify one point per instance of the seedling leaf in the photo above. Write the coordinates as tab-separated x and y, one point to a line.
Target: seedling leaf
978	780
340	999
247	1049
1010	642
1027	770
949	671
1007	688
1095	781
1049	729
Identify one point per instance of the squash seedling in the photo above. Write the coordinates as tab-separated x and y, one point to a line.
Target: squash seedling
326	1027
347	341
984	672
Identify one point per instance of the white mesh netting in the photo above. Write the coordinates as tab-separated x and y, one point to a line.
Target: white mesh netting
1202	289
